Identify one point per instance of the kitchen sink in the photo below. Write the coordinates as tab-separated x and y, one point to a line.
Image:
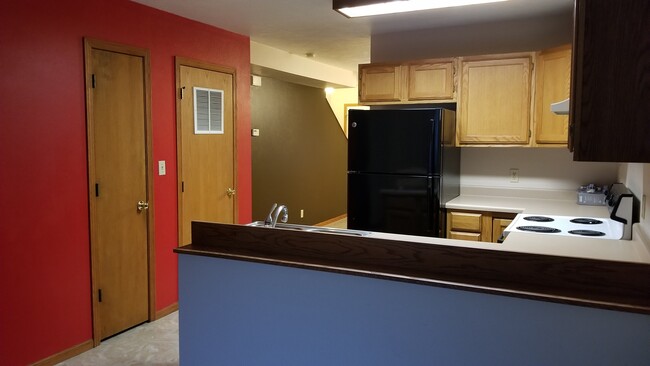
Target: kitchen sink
313	229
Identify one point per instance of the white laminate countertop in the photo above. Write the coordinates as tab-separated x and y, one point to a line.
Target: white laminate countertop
549	203
561	203
634	251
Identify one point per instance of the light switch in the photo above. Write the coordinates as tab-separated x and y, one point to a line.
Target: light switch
162	168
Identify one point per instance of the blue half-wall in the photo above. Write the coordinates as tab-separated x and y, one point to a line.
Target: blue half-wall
244	313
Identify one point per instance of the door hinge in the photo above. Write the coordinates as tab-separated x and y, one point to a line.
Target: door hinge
92	80
96	189
182	186
99	295
182	92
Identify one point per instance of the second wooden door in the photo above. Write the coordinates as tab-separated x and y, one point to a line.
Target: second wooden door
207	146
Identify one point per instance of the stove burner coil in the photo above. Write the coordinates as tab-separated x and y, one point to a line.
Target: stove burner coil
587	232
585	221
539	218
539	229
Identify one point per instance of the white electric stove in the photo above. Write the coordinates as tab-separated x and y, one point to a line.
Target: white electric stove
597	228
622	207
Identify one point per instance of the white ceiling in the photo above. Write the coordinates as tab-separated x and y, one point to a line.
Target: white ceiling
312	26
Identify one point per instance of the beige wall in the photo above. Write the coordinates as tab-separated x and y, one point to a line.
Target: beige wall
338	99
539	168
300	157
636	177
474	39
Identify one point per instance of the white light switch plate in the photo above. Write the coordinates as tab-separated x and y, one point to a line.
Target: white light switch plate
162	168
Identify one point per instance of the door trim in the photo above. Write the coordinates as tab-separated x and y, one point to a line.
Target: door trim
183	61
89	45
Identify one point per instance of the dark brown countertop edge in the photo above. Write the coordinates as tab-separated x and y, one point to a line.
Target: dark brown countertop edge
583	282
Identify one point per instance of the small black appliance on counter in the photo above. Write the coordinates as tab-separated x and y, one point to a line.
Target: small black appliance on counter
402	169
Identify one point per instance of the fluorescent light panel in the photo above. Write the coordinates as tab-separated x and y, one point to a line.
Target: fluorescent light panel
402	6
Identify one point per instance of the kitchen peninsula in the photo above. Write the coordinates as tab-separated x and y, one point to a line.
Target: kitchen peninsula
255	295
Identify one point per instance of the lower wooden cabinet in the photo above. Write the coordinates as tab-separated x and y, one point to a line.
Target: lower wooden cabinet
477	225
498	226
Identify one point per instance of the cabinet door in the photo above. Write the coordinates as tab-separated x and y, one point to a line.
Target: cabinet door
469	225
431	81
498	226
495	101
552	84
611	90
380	83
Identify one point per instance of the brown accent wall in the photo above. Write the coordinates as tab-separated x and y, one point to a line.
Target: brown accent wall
300	157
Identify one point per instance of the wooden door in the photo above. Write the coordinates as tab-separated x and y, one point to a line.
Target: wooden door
552	84
118	159
495	101
206	156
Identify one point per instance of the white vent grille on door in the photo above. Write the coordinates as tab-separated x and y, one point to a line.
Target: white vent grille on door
208	111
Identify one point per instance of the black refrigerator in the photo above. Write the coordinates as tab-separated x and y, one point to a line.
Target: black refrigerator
403	167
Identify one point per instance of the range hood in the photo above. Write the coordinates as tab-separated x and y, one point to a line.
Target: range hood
561	108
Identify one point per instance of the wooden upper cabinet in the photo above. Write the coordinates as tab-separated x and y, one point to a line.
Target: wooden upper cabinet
495	101
380	83
431	80
610	95
552	84
415	82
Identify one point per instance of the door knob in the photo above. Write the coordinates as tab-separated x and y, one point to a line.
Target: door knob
230	192
142	205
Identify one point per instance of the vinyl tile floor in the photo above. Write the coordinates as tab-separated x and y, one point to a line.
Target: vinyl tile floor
339	224
150	344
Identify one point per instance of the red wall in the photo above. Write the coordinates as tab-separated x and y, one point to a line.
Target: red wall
45	303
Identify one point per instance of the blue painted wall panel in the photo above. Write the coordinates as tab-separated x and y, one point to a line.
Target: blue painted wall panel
242	313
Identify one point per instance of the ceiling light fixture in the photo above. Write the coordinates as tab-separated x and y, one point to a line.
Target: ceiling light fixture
362	8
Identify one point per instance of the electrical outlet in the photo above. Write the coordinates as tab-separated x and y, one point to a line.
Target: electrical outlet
514	175
302	213
162	168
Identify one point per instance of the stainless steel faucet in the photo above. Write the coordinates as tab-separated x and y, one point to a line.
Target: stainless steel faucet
272	218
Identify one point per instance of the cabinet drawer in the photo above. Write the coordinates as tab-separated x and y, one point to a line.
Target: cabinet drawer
465	221
464	236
